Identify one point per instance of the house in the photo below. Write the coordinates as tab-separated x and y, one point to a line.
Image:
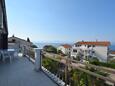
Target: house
97	49
65	49
111	55
19	44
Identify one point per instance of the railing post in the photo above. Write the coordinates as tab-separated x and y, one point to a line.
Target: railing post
66	71
38	58
66	68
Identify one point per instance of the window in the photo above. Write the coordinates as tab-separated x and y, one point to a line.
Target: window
74	50
1	18
93	52
76	45
93	45
89	46
13	40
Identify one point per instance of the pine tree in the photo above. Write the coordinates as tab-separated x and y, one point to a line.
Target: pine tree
28	40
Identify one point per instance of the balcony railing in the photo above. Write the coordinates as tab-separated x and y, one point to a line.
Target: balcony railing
67	72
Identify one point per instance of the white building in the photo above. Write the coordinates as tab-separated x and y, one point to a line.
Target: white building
19	44
66	48
98	49
111	55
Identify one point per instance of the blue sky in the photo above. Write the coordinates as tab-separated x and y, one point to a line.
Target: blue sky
62	20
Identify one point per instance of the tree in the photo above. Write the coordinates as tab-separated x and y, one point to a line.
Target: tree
34	46
59	52
28	40
50	48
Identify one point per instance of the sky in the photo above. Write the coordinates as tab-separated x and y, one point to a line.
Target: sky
62	20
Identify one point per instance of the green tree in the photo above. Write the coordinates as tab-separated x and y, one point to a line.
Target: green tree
59	52
50	48
28	40
34	46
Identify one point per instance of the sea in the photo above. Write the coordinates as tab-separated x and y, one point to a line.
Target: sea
41	45
112	47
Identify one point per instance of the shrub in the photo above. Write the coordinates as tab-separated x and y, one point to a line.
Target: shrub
111	65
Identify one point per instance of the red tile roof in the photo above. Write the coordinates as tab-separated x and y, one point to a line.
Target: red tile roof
66	46
97	43
112	52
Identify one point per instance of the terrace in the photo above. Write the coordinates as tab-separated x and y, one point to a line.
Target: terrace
41	71
16	71
20	72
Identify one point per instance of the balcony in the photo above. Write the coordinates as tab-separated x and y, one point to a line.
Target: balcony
53	71
21	72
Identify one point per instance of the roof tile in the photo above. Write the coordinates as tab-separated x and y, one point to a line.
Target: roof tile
97	43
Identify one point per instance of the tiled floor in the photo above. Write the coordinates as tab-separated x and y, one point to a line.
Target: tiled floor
21	73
